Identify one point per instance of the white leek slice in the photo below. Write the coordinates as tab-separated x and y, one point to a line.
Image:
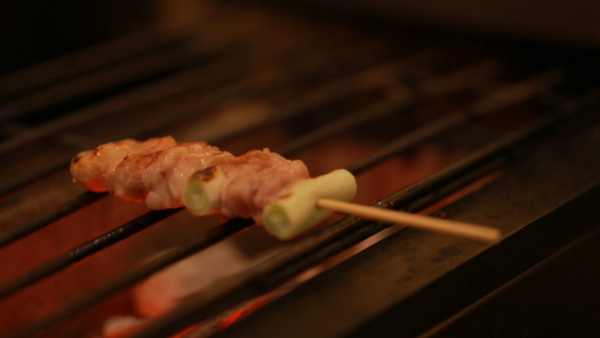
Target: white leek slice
203	193
295	210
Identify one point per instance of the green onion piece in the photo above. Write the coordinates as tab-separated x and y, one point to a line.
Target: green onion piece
203	193
296	211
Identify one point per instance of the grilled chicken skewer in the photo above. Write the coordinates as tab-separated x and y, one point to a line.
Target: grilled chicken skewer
262	185
158	173
207	180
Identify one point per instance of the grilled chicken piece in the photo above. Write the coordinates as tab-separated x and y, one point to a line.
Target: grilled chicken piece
159	178
89	167
243	186
255	179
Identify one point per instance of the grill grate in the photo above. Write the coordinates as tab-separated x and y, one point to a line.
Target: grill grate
340	88
191	84
199	77
340	236
48	73
524	91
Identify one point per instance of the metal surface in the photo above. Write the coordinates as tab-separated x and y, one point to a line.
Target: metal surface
45	218
377	77
184	250
314	249
142	68
413	280
210	73
462	79
76	254
409	284
97	244
245	85
572	22
562	289
400	98
492	103
101	55
142	222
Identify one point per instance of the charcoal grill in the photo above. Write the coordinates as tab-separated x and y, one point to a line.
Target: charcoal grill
518	134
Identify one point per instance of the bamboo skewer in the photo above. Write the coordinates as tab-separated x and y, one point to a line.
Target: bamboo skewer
462	229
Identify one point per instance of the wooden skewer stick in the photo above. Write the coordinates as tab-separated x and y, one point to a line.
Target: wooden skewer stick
478	232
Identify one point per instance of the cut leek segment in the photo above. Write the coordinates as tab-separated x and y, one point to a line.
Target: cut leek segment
203	193
296	211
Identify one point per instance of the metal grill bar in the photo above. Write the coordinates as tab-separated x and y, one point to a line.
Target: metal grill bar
184	80
500	99
340	236
187	249
33	175
82	251
47	217
145	67
84	61
377	110
225	67
402	97
376	77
